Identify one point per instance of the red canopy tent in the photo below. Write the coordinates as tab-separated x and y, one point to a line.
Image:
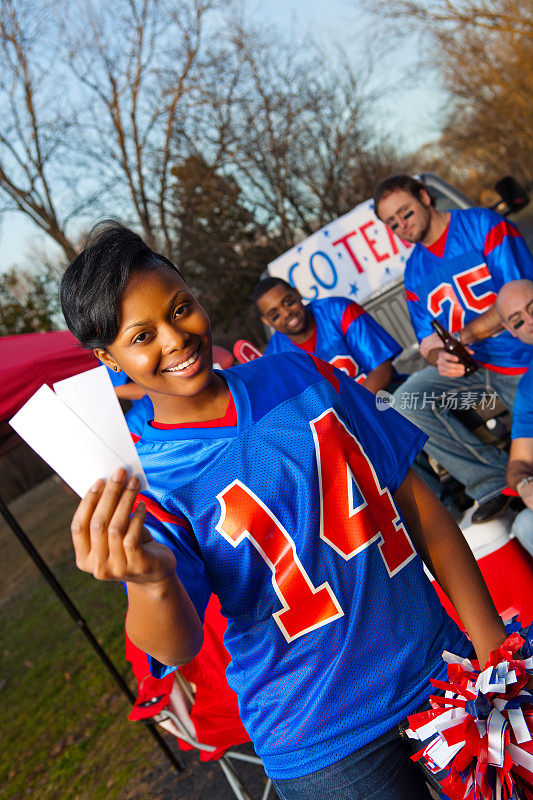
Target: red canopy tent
31	359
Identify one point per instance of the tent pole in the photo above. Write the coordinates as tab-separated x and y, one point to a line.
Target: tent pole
80	622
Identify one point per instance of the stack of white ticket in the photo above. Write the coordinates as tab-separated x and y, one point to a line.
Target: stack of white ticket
79	430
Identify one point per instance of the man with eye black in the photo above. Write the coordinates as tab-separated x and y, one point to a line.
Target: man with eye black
460	261
515	307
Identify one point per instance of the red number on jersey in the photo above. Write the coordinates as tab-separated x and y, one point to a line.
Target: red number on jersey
444	293
304	606
464	282
343	525
347	529
348	366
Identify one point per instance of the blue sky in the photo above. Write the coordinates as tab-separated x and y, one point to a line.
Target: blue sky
410	115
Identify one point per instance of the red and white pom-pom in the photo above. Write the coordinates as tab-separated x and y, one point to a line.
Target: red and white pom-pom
482	728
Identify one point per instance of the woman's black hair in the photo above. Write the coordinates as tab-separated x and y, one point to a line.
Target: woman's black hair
266	284
93	284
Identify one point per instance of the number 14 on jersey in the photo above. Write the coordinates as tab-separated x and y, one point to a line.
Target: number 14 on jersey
346	524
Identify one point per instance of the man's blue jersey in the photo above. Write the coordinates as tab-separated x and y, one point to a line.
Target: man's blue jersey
483	251
346	336
522	427
141	410
333	628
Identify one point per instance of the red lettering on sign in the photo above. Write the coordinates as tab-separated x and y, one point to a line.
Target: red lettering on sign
344	240
371	242
392	240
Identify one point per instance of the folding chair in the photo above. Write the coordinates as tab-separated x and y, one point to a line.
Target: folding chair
196	705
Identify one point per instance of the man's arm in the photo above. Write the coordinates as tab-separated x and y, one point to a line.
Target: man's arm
487	324
380	377
445	552
520	466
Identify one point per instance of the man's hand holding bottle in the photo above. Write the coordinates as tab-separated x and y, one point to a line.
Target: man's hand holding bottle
446	352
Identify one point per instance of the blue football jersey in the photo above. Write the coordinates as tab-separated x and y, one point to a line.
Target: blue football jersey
483	251
333	628
141	410
346	336
522	426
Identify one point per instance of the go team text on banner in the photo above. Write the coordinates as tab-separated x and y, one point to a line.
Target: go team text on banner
352	256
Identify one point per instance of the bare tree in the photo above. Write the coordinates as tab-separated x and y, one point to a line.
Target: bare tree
141	64
33	122
490	76
505	16
105	104
483	50
302	145
98	102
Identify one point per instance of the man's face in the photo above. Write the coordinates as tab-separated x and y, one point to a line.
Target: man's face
282	309
406	215
516	312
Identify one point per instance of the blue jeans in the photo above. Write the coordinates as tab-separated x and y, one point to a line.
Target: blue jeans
523	529
381	770
427	398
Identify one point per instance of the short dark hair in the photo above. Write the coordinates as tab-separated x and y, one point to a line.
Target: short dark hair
266	284
93	284
404	182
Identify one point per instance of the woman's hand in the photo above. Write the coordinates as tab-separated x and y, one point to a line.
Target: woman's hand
113	545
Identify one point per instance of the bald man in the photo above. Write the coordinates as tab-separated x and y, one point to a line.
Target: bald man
515	307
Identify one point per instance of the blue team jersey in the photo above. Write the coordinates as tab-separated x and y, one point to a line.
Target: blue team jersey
483	251
346	336
523	408
333	628
141	410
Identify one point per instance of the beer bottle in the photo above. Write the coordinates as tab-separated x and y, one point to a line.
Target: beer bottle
453	345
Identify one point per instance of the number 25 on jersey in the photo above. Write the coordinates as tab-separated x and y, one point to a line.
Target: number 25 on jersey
345	525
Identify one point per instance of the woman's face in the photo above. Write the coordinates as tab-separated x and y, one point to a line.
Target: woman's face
164	340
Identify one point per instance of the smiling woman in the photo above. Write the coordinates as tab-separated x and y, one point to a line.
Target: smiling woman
164	344
144	320
289	496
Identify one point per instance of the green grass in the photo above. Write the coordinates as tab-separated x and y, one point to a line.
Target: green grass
65	732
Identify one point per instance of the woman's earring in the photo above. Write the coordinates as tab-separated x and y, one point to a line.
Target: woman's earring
116	369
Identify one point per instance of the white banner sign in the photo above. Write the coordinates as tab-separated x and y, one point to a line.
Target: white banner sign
352	256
